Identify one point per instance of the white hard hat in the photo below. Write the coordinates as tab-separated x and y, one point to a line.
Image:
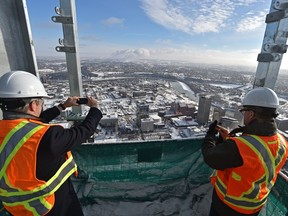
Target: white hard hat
21	84
261	97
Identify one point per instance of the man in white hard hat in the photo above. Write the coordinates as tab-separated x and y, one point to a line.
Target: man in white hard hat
246	165
35	158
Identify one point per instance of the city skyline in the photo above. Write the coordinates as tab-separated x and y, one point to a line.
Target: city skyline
218	32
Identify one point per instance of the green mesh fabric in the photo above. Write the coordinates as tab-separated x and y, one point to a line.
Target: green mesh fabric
122	171
131	167
2	211
277	203
150	161
150	171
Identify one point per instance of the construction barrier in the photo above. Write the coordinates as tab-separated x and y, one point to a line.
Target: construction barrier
151	177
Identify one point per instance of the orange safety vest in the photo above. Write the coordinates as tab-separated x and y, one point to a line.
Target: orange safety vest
245	188
20	191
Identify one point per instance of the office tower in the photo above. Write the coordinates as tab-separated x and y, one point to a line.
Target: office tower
203	110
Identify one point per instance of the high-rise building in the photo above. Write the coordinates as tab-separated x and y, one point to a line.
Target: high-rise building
203	110
147	125
142	112
218	113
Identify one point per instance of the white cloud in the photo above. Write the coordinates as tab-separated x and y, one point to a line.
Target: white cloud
190	54
167	15
251	22
246	2
189	16
113	21
131	54
213	16
194	16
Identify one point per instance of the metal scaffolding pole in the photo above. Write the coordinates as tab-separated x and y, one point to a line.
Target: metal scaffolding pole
273	46
69	45
16	46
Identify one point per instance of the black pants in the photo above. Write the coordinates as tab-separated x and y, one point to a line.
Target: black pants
213	211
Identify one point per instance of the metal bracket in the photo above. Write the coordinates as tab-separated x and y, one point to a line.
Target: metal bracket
62	19
65	49
280	4
279	49
268	57
275	16
61	41
57	10
275	48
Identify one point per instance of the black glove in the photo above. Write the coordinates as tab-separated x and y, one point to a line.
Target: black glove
212	129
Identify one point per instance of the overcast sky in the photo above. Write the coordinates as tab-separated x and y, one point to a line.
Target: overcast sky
207	31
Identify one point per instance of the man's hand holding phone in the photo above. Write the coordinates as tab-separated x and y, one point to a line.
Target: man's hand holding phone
82	101
222	131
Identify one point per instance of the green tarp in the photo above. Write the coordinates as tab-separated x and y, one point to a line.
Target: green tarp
153	171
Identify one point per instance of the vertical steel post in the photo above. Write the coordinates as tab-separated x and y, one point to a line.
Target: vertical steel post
273	46
69	45
16	46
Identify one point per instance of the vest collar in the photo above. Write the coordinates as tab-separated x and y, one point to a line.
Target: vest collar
12	115
257	128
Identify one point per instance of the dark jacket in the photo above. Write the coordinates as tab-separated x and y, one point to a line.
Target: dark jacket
220	155
51	155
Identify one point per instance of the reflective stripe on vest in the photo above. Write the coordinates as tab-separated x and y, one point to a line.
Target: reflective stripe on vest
249	200
13	142
33	200
240	202
281	153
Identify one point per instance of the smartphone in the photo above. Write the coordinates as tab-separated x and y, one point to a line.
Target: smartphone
82	101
